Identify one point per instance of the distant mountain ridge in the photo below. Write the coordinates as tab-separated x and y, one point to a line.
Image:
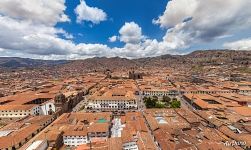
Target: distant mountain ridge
16	62
202	57
207	57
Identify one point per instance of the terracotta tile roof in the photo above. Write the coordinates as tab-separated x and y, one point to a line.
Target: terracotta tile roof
164	139
98	127
83	147
112	94
238	137
76	130
16	107
244	111
152	122
115	143
145	141
18	136
25	97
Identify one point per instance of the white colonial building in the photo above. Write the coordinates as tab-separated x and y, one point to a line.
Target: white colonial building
112	100
18	111
160	92
82	134
47	108
71	139
24	104
130	146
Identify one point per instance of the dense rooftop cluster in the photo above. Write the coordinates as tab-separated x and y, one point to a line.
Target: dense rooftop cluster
106	108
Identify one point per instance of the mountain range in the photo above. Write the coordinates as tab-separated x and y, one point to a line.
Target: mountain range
200	57
16	62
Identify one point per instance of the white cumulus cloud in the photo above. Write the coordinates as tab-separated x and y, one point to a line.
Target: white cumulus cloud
191	21
243	44
87	13
130	32
47	12
29	38
113	38
28	29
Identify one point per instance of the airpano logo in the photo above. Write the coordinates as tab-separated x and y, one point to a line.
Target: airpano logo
235	143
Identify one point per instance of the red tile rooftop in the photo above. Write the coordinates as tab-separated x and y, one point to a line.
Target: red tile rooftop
244	111
16	107
25	97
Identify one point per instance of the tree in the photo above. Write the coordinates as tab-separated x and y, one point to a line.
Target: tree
155	98
166	99
144	99
159	105
175	104
150	102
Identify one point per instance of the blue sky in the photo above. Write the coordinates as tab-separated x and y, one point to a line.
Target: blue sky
79	29
119	12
